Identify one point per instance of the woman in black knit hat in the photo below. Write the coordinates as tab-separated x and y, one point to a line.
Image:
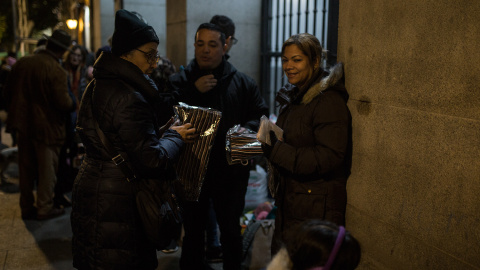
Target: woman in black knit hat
107	232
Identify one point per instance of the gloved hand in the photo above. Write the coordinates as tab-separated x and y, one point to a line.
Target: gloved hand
267	149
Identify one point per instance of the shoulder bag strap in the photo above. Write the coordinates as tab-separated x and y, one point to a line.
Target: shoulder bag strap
117	158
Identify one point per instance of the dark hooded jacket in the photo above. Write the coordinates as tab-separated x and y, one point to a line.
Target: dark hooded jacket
236	95
105	222
312	162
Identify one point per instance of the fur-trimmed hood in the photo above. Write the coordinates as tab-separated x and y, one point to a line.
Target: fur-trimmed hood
333	78
281	261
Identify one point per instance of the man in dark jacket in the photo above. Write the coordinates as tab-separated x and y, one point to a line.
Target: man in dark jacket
123	101
38	103
210	81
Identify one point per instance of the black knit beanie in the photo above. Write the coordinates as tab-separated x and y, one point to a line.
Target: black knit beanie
130	33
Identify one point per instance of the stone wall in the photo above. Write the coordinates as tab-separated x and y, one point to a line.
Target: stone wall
412	71
153	11
107	21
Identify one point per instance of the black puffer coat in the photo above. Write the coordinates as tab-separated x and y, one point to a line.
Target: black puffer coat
105	222
312	163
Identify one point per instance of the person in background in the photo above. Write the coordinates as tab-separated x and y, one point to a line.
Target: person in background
122	100
318	245
89	61
159	76
5	69
76	68
38	103
105	48
75	65
41	43
311	163
213	248
211	81
162	72
228	28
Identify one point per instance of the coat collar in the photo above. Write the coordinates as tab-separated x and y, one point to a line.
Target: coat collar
334	76
224	70
51	54
110	66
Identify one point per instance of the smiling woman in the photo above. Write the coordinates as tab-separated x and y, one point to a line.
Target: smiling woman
316	123
296	65
301	58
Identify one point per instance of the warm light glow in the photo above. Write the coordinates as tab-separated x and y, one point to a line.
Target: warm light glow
80	25
72	24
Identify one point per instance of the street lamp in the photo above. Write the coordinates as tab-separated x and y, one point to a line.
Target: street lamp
72	24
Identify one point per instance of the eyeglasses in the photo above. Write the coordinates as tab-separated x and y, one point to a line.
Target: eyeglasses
152	58
234	40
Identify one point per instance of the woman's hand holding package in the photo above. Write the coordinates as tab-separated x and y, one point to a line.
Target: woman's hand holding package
267	149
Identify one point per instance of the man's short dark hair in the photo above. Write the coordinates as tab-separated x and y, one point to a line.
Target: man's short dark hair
225	23
213	27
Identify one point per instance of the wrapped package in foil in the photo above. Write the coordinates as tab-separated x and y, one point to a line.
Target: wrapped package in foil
241	145
193	162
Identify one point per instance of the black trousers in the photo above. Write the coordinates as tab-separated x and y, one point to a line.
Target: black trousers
227	190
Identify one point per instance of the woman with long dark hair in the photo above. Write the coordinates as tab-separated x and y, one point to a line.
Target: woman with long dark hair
75	65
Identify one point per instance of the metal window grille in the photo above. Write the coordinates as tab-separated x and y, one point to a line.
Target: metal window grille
284	18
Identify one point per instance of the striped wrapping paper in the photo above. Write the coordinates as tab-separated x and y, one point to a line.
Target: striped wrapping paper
193	162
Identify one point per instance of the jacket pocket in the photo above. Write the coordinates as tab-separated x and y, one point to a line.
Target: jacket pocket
305	200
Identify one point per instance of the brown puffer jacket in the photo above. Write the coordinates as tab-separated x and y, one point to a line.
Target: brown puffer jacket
311	165
38	98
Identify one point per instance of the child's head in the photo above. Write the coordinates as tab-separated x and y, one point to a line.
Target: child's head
323	245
